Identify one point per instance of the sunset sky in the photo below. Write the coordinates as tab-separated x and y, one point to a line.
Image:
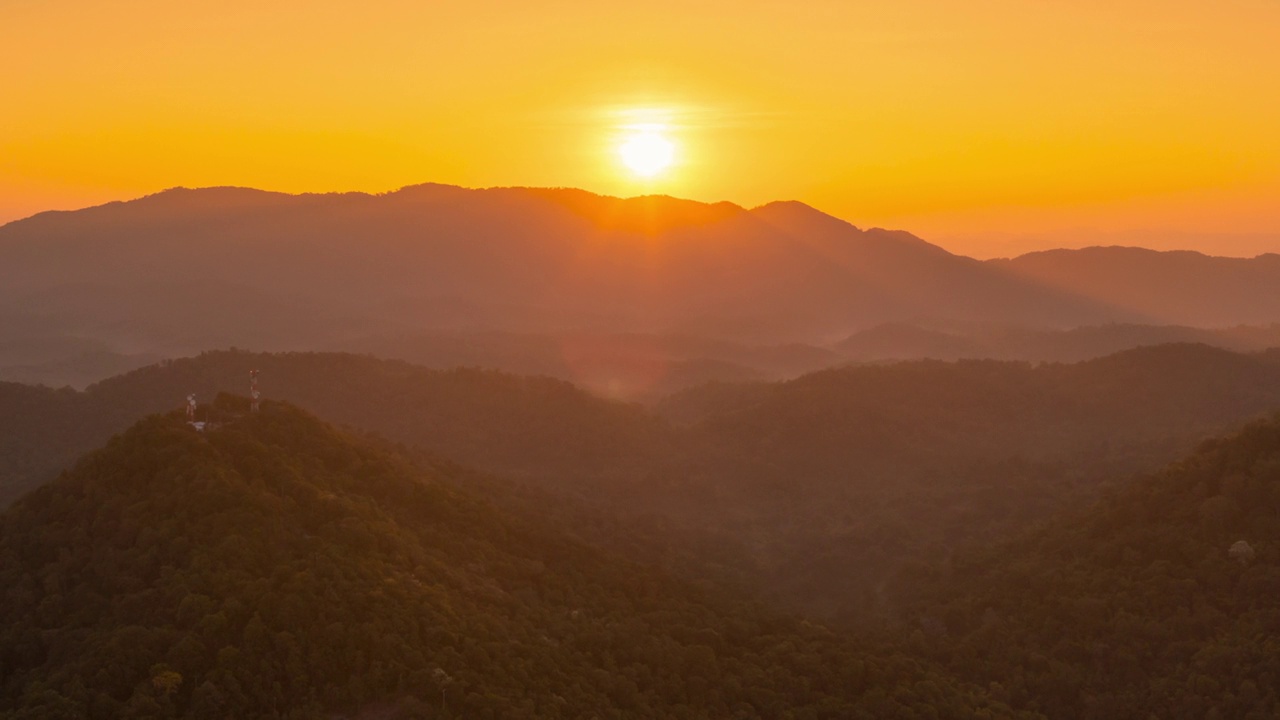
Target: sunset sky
989	126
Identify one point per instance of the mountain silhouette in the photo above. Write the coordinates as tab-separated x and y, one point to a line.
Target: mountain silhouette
956	341
186	270
1174	287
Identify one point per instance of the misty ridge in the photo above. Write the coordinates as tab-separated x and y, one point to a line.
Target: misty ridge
795	479
541	453
661	293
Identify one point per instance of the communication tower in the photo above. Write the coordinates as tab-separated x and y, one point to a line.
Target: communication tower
253	391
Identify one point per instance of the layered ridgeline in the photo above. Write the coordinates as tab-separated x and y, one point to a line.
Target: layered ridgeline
847	481
1171	287
185	270
1158	602
274	567
623	295
520	427
832	488
950	341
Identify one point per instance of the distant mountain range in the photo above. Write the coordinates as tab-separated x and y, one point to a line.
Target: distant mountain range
941	341
1173	287
228	265
635	296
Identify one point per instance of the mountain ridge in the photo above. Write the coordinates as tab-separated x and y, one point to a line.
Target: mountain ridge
1173	286
519	259
818	487
178	272
271	565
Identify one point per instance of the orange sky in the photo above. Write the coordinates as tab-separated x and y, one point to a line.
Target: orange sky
985	125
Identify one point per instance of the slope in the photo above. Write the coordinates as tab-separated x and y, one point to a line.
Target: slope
825	490
274	567
1157	602
922	280
522	427
1179	287
844	480
42	431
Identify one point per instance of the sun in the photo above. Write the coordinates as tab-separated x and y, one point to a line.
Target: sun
646	151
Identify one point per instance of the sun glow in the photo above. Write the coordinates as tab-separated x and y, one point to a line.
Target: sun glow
646	151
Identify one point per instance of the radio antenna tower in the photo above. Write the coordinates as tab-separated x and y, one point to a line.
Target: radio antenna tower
254	395
191	407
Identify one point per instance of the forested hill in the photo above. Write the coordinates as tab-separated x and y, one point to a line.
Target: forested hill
1127	409
827	489
1152	401
42	431
517	426
1158	602
846	479
275	567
